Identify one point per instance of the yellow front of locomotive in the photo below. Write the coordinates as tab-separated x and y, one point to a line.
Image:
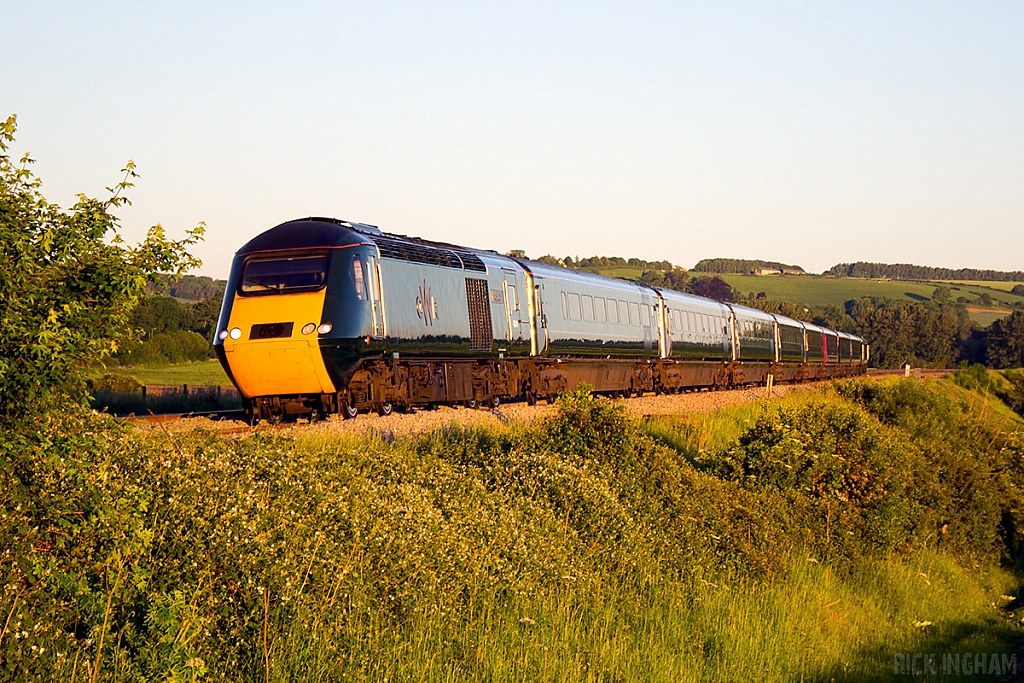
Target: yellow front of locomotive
280	313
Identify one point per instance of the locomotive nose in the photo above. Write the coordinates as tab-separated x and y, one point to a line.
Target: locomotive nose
275	351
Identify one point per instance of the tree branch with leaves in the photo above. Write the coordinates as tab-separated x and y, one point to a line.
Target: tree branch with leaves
68	280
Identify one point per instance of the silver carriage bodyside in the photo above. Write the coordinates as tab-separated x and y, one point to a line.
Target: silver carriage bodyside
789	339
580	314
753	334
695	328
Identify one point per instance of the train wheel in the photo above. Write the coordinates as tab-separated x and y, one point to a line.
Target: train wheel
349	411
384	409
471	403
494	402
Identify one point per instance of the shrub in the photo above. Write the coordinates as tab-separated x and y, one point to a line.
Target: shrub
68	282
155	555
167	348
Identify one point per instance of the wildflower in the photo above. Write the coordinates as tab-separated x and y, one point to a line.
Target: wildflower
921	624
527	620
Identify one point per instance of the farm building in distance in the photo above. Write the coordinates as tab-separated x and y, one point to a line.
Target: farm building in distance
778	271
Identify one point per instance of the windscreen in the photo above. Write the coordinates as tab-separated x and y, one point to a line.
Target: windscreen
301	273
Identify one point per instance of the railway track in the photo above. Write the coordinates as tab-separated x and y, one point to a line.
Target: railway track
238	422
207	414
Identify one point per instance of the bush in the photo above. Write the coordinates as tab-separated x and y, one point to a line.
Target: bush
168	348
156	555
68	282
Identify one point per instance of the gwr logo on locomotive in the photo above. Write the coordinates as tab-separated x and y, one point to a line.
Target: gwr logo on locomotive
358	350
426	306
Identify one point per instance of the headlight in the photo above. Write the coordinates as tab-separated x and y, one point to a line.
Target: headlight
222	335
236	333
308	328
325	328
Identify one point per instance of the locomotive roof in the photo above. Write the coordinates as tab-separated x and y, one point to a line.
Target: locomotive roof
308	233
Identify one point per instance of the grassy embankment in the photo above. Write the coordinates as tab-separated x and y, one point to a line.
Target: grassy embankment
807	539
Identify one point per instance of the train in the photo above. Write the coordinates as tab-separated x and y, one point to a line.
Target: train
325	316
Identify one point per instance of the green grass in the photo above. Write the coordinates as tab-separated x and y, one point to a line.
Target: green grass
821	291
208	373
988	284
817	291
986	318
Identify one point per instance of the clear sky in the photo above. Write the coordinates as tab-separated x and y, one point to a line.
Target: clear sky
810	133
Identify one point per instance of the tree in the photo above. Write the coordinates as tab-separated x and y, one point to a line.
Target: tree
68	281
942	294
711	287
1018	290
1006	341
911	333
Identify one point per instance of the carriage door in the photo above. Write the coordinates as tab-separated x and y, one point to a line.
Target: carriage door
540	320
666	330
512	308
380	323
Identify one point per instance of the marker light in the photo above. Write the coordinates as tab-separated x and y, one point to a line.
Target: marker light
236	333
222	335
308	328
325	328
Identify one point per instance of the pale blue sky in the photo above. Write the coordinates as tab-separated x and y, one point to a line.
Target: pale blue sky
810	133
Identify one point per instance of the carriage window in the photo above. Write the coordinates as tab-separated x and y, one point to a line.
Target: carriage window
645	319
268	276
357	271
588	308
513	298
565	306
623	313
574	306
634	313
613	312
600	311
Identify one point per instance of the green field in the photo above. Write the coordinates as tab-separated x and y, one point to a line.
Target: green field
818	291
821	291
993	284
986	318
208	373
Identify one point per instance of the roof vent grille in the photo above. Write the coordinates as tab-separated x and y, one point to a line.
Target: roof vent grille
422	253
